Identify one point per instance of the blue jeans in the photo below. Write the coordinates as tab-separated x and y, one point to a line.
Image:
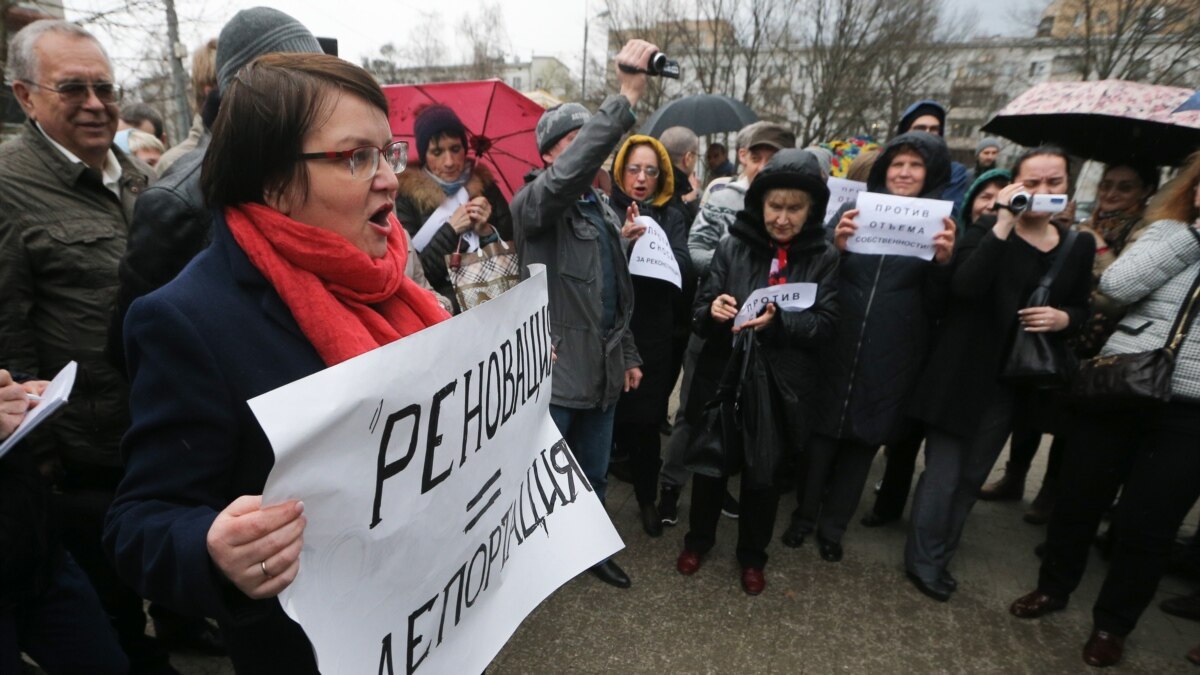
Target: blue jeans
64	629
589	433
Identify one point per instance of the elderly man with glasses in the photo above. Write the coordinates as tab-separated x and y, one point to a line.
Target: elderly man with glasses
66	199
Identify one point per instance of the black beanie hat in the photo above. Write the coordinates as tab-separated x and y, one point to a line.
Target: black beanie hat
435	121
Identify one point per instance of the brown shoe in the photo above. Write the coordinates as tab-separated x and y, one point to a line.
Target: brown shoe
688	563
1103	649
1009	488
1035	605
753	581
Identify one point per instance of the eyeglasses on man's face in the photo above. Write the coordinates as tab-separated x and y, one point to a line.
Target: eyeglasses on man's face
635	169
73	92
364	160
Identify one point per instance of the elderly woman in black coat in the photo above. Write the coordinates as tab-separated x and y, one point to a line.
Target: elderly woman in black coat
888	303
968	410
777	239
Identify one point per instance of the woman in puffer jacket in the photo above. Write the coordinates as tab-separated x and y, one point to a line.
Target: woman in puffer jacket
777	239
888	307
1151	454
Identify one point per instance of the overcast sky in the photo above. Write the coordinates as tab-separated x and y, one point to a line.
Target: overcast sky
541	27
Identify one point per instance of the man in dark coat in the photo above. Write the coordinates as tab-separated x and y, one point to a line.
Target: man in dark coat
66	198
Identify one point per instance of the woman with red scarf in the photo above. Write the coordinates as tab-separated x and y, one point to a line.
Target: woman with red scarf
306	270
777	239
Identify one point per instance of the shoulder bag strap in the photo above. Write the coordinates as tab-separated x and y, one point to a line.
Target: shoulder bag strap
1186	314
1060	258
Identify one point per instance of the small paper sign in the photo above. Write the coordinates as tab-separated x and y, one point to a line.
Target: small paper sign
891	225
842	191
652	254
788	297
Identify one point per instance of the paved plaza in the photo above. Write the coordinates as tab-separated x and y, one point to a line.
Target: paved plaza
856	616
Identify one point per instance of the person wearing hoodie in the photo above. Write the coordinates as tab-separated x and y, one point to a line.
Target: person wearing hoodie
888	306
643	185
776	239
930	116
450	203
892	490
967	410
757	143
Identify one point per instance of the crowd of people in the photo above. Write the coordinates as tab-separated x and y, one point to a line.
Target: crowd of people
288	233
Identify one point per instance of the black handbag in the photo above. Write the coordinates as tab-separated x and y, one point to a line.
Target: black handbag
718	443
1042	360
1134	380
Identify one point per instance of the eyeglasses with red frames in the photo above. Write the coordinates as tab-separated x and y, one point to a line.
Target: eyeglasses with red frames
364	160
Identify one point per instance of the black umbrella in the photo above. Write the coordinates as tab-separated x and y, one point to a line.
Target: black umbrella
1109	121
702	113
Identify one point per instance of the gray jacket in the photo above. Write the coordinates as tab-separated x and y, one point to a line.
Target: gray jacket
1154	276
718	210
551	229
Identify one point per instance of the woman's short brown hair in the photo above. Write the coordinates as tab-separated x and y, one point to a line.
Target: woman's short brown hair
270	106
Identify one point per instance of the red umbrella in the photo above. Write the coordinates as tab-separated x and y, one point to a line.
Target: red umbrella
500	122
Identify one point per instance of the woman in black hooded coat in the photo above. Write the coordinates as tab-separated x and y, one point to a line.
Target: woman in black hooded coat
889	304
776	239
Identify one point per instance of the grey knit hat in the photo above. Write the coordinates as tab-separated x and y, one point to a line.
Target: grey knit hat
987	143
558	122
257	31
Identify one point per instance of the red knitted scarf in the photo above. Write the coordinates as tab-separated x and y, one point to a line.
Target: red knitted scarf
345	302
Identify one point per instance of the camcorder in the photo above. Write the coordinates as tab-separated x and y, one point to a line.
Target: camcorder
1023	201
659	66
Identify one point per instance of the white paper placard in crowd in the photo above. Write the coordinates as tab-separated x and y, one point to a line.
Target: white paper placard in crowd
55	397
652	255
892	225
443	504
841	191
787	297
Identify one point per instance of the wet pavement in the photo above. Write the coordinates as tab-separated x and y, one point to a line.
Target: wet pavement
856	616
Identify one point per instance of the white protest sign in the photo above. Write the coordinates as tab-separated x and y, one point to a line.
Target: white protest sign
788	297
443	504
891	225
841	191
652	255
55	397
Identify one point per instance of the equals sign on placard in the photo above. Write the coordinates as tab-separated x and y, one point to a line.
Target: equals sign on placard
483	491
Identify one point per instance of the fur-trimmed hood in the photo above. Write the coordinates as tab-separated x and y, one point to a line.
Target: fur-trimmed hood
423	192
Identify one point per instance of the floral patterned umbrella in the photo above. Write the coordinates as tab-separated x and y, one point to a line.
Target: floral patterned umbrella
1108	121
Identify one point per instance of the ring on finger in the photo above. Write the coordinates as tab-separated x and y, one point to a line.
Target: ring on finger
263	566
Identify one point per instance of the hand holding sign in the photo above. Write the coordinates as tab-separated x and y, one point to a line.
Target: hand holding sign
943	242
652	255
759	322
258	549
788	297
846	228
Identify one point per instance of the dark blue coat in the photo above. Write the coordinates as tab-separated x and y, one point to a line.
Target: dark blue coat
198	349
